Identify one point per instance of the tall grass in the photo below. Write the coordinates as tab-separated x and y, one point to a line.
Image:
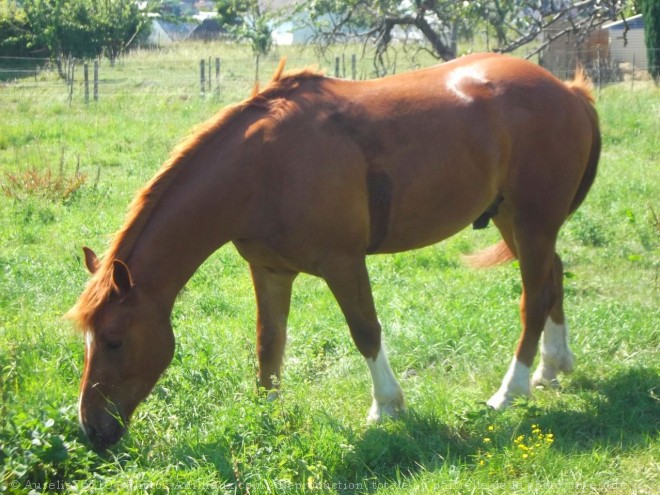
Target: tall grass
450	331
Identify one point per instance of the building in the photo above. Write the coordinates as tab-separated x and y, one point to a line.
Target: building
164	33
627	42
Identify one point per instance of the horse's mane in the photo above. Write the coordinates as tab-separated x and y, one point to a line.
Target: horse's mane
100	285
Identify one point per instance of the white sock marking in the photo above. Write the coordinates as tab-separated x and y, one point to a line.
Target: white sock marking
515	383
556	356
387	393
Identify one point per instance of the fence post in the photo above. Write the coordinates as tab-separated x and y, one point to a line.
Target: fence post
202	75
599	75
96	80
217	75
336	66
86	77
632	82
71	73
210	81
354	66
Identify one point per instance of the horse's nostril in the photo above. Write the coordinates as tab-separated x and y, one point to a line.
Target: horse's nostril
91	432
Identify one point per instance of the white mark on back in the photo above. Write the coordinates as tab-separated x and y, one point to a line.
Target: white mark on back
462	77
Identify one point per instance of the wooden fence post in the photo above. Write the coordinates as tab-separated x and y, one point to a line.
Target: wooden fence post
96	80
86	77
217	75
210	81
202	75
599	72
354	66
71	73
336	66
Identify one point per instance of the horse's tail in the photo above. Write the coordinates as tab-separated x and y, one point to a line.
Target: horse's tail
583	88
499	253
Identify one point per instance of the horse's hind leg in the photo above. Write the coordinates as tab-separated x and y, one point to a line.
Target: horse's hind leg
556	356
273	294
349	282
541	309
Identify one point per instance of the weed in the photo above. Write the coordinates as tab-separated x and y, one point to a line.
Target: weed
43	184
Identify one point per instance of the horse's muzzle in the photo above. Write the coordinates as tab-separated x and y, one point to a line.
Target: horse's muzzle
104	433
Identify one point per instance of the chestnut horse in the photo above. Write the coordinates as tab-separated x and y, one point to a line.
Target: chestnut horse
312	174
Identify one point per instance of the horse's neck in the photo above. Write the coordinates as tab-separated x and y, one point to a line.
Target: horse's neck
203	209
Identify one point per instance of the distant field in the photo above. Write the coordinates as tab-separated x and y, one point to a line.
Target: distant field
67	174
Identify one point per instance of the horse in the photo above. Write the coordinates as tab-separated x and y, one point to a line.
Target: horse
311	174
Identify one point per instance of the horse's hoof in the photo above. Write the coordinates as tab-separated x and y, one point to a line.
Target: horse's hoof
391	410
500	401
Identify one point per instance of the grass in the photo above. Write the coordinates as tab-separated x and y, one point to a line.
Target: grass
450	330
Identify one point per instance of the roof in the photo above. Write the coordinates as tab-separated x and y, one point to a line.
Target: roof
634	22
176	31
208	29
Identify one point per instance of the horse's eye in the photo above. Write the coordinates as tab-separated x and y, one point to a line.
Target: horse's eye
114	344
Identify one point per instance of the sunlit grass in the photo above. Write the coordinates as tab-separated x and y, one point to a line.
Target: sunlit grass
450	331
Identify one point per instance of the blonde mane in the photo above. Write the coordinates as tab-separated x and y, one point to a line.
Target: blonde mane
99	287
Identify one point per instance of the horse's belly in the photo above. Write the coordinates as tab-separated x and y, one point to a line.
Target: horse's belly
418	232
432	208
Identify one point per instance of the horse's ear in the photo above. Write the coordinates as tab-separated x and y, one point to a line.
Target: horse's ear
121	277
91	260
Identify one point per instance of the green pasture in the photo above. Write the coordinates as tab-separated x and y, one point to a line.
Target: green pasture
67	174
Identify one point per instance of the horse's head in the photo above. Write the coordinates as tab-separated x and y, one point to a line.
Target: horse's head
128	344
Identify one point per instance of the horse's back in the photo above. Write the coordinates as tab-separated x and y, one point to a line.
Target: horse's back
408	160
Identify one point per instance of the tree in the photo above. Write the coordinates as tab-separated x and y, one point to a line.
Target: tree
513	23
118	22
651	12
84	28
15	35
246	20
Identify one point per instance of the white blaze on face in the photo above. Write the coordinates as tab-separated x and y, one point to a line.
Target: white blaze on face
387	393
89	340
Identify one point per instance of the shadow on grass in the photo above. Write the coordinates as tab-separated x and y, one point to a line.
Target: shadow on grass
620	412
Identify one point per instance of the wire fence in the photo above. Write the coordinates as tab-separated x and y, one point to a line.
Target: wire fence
99	79
604	64
231	78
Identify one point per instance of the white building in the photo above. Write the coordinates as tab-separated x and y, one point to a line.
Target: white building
628	46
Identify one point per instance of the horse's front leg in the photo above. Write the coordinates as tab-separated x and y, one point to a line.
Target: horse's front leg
349	282
273	294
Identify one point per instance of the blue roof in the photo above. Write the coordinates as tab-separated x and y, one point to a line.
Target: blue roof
634	22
